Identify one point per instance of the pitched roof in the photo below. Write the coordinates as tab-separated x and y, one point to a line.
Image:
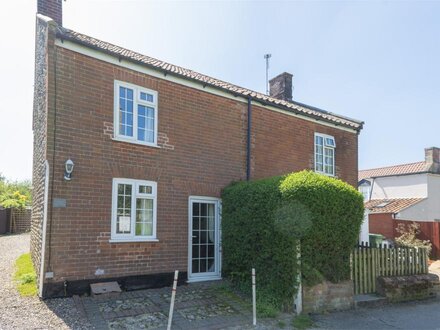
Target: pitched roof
294	107
394	205
411	168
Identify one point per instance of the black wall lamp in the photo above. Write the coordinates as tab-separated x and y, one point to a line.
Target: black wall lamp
68	170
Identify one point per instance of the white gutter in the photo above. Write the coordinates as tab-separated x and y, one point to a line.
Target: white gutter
44	227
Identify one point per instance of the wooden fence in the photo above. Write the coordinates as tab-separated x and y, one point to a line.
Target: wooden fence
369	263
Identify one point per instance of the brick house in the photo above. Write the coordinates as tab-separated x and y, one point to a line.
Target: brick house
153	145
402	194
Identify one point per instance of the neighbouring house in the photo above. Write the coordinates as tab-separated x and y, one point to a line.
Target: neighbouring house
402	193
131	155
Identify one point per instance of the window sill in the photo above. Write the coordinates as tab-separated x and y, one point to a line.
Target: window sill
326	174
132	240
119	139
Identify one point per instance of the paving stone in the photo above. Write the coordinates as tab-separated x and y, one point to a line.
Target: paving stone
198	306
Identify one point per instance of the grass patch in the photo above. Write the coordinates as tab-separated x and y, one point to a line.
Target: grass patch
267	310
302	322
266	307
281	324
25	276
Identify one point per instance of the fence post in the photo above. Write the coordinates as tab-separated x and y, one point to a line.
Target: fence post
355	271
254	306
173	297
298	298
374	250
426	260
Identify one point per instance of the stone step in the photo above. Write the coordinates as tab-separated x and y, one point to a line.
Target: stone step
369	300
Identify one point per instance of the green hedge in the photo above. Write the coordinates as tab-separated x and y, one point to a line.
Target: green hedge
337	211
263	220
250	240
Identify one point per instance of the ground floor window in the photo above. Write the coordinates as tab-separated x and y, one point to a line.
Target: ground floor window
134	210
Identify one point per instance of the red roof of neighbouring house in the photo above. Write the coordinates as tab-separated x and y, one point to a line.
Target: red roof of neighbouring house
411	168
394	205
167	68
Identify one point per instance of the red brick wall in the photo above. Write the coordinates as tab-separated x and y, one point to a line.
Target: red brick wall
428	231
203	140
284	144
382	224
52	9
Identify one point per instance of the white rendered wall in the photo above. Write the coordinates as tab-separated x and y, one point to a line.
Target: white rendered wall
404	186
429	209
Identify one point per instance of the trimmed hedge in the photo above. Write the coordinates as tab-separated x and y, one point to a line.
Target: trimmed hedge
250	240
337	211
263	220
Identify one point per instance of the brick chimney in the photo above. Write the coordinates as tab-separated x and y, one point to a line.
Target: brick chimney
52	9
280	87
432	159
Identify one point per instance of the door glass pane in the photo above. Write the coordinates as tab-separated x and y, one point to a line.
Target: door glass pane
203	251
211	265
203	265
211	250
195	266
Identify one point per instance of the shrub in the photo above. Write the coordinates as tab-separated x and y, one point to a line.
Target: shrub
14	194
251	240
408	237
263	221
336	210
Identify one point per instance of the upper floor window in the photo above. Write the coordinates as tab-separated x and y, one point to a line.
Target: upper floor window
325	146
365	189
135	117
134	210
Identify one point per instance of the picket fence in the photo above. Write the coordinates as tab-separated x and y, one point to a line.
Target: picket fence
368	263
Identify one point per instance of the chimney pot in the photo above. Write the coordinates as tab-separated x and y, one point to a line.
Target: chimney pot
280	87
52	9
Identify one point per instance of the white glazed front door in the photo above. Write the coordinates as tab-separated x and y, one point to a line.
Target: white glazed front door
204	239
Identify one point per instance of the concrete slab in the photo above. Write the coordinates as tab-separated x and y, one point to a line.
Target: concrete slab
98	289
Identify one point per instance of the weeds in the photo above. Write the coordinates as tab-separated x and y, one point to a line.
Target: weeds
25	276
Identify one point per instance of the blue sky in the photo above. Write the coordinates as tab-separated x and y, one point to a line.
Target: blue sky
378	61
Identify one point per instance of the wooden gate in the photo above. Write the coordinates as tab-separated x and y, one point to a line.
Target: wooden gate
369	263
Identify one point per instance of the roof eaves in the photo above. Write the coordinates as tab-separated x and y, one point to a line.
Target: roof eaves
400	174
411	205
357	121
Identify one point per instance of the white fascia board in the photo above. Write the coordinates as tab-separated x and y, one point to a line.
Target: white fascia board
81	49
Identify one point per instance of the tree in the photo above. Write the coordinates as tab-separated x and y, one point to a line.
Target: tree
15	194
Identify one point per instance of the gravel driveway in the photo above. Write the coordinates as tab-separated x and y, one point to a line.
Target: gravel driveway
18	312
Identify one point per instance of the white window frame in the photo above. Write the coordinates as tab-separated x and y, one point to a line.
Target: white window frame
115	237
324	136
136	101
365	190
